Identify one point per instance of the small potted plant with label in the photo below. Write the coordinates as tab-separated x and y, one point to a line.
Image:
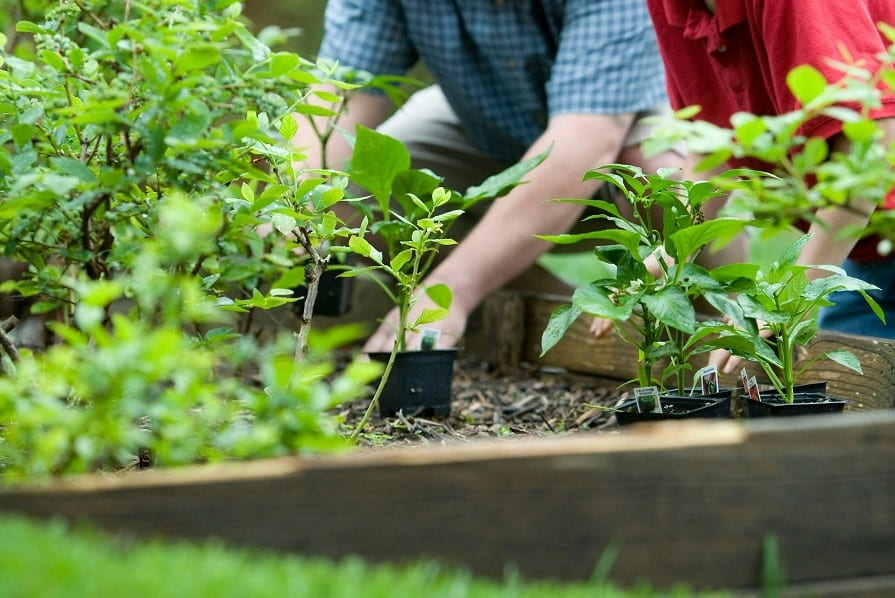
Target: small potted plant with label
656	280
771	316
411	216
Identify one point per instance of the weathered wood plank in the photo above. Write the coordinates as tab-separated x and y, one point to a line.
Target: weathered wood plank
495	331
687	502
882	586
874	389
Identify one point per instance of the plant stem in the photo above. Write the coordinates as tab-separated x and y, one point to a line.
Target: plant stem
375	400
787	359
313	271
7	343
645	366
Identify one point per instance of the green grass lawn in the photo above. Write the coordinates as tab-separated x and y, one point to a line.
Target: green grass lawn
51	559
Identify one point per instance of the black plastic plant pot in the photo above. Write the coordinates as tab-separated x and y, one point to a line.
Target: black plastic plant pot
419	383
809	399
333	295
715	405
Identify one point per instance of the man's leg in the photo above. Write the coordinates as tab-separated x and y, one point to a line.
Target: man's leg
427	125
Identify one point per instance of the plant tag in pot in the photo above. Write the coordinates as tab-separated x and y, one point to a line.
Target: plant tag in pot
753	389
708	379
647	399
429	338
744	380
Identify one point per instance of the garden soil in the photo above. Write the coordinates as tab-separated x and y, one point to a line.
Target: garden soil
488	403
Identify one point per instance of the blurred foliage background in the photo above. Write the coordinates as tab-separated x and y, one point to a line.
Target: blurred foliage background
304	15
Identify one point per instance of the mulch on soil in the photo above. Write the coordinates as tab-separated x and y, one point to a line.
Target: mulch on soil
486	403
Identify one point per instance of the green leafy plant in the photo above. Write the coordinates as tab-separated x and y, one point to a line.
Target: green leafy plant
773	313
792	175
123	104
141	146
411	216
654	275
138	388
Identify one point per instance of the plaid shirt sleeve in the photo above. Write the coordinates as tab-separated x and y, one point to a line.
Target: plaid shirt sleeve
608	60
368	35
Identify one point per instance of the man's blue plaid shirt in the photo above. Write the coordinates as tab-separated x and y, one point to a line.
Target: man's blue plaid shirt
506	66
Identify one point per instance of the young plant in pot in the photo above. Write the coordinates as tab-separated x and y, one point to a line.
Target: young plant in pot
650	298
411	215
772	314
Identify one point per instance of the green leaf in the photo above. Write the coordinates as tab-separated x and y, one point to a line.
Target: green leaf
823	286
28	27
43	307
503	182
401	259
814	152
196	59
845	358
874	306
363	248
94	33
726	306
575	268
258	49
291	278
288	127
672	307
860	131
420	183
754	309
713	160
593	204
748	127
731	272
792	252
688	112
283	62
22	133
314	110
594	300
192	125
560	321
283	223
806	83
376	160
53	59
688	241
430	315
247	193
74	168
440	294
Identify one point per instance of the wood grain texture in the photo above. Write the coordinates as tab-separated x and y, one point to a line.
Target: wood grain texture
495	333
683	502
874	389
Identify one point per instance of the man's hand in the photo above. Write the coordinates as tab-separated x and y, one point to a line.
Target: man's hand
451	328
600	327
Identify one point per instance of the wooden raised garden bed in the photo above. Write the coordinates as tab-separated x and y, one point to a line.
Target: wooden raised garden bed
689	502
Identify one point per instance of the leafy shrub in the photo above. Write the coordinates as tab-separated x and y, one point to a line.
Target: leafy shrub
140	384
141	147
